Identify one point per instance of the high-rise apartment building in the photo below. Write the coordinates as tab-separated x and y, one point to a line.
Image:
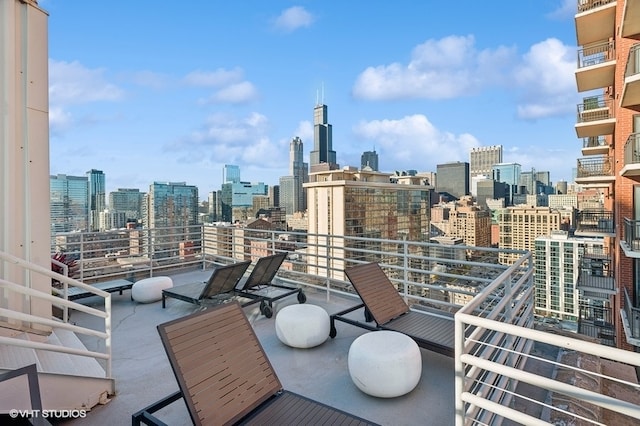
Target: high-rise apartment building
453	178
520	226
470	224
236	197
231	173
69	203
357	203
608	34
562	267
482	160
369	159
171	204
323	152
292	195
509	174
128	201
97	197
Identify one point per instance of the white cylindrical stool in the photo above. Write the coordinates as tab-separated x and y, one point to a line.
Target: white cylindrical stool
385	363
302	326
150	289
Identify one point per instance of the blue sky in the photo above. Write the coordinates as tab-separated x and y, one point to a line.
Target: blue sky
172	91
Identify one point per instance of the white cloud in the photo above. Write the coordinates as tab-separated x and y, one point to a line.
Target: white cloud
73	83
59	120
413	142
566	9
438	69
217	78
546	80
225	138
236	93
293	18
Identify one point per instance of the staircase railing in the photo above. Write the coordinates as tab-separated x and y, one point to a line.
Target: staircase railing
105	315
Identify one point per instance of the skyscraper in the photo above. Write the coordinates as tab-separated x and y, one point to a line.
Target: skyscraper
231	173
69	203
97	197
453	178
508	173
482	159
172	204
369	159
323	152
293	195
128	201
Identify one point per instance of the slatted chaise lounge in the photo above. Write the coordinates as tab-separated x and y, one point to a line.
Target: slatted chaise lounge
383	305
221	285
225	377
259	284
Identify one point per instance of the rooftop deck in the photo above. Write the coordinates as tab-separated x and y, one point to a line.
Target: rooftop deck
143	374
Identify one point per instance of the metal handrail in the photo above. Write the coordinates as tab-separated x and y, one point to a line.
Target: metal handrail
105	315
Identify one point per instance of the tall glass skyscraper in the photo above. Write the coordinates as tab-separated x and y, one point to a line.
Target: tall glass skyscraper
69	203
128	201
293	197
231	174
369	159
97	197
322	139
508	173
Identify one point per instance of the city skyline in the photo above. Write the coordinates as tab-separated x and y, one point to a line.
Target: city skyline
145	104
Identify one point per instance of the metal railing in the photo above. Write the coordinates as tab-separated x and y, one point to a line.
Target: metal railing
595	108
632	314
598	221
26	292
498	348
631	235
586	5
595	54
595	167
632	149
633	63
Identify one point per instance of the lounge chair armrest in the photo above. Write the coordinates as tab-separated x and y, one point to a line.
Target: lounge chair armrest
145	416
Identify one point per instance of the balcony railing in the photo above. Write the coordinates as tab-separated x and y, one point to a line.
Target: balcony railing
596	117
494	330
597	321
595	108
595	221
586	5
630	241
632	321
596	66
595	169
596	274
631	89
595	145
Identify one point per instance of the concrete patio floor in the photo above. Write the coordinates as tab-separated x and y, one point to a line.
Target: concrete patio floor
143	375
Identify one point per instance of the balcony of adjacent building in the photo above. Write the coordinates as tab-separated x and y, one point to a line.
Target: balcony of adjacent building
595	223
595	145
630	241
595	171
595	21
631	89
596	321
631	166
596	117
630	26
595	279
631	319
596	66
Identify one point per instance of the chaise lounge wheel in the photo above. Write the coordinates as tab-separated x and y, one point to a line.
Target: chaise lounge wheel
301	297
266	309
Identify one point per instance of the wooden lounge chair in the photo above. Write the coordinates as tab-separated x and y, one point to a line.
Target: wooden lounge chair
225	377
220	286
259	283
383	305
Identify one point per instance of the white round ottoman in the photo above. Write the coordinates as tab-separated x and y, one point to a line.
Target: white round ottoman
150	289
302	325
385	363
